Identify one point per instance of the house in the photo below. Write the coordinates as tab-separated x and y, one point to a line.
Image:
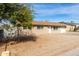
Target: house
76	26
69	26
50	27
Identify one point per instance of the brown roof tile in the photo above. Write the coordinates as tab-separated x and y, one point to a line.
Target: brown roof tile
47	23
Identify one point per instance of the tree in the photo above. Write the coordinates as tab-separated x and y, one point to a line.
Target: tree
20	15
18	12
23	17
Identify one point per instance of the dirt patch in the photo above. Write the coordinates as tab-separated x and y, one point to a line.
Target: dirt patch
45	44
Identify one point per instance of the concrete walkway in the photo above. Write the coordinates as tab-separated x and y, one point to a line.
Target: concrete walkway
73	52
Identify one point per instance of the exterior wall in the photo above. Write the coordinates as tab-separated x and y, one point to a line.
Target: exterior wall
69	28
77	25
46	29
39	31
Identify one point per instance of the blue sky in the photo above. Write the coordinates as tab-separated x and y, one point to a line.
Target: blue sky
56	12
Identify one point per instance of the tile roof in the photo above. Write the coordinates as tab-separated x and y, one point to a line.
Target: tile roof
47	23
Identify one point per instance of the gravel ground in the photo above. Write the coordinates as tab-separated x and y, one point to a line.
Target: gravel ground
54	44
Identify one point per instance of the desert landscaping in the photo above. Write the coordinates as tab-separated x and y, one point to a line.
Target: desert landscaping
48	44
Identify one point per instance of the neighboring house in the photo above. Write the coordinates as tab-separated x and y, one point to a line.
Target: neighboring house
69	26
76	26
49	27
73	26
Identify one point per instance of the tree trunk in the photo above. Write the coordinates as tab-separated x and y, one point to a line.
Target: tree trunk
6	44
18	34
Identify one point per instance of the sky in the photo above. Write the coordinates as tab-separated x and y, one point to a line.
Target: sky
56	12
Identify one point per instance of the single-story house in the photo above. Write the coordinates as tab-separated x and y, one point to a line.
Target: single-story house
76	25
49	27
69	26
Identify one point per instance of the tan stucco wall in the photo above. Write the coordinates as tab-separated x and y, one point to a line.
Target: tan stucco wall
44	30
38	31
69	28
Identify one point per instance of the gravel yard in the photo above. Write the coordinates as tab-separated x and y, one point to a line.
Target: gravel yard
53	44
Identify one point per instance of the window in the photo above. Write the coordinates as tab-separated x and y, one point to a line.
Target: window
39	27
55	28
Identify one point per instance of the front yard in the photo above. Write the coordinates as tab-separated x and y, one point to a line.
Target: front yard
52	44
